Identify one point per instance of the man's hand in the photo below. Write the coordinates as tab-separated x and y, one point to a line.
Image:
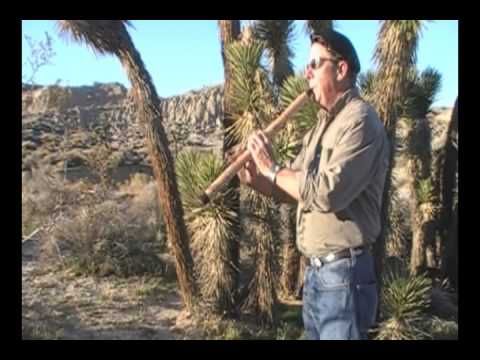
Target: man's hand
248	173
261	150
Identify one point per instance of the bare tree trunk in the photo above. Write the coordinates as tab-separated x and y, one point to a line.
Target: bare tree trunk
150	116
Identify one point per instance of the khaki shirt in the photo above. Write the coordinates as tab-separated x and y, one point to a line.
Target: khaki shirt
341	174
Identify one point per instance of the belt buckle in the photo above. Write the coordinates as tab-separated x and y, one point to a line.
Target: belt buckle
330	257
317	262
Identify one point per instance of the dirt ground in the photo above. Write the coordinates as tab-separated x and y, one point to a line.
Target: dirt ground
58	304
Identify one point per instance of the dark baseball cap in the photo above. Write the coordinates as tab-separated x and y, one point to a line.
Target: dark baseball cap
339	46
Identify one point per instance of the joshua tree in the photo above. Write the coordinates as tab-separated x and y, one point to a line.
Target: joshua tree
111	37
395	54
212	229
424	189
252	108
230	32
277	37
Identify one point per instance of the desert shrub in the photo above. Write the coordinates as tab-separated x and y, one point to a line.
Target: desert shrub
105	239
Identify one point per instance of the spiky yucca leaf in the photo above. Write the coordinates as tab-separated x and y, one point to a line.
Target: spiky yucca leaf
277	36
103	36
366	83
421	92
306	117
404	301
316	26
251	91
395	52
211	228
398	225
197	170
288	141
406	297
244	61
424	190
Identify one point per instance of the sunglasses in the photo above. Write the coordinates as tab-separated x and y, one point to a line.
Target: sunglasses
317	63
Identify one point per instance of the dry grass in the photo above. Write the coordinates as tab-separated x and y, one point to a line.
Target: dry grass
142	190
45	196
105	239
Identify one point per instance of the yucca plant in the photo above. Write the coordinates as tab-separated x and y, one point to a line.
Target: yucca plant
253	107
399	233
212	229
277	36
366	83
230	32
405	299
252	104
424	188
395	54
289	139
421	91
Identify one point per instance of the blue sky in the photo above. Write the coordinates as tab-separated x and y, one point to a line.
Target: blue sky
183	55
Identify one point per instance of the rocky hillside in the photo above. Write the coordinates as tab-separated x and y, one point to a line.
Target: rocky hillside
57	123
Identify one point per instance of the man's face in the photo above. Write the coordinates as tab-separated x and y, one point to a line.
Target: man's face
322	75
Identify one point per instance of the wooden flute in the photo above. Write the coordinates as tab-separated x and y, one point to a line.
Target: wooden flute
270	130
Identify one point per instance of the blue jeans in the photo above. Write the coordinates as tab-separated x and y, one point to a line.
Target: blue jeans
340	299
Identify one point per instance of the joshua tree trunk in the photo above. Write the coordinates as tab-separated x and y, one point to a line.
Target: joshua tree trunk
162	163
262	296
423	197
447	170
290	253
450	253
300	277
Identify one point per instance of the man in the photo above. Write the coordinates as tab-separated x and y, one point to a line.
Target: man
337	180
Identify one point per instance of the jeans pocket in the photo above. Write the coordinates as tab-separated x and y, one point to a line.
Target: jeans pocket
335	275
367	302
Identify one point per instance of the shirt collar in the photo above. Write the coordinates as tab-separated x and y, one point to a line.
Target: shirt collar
341	102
